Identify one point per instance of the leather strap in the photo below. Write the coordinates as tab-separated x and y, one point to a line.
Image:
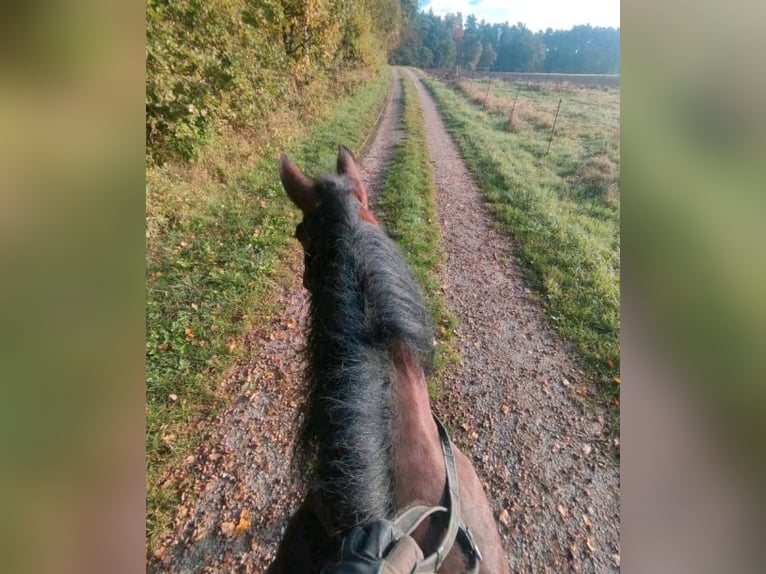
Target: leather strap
413	517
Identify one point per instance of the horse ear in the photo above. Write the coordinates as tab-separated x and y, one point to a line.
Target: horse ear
347	166
299	188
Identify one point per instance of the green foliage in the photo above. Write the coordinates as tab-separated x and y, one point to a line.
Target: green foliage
487	58
428	42
232	64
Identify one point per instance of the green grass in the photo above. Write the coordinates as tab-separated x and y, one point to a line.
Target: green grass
214	252
568	234
408	208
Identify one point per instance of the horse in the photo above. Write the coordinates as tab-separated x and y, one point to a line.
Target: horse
368	446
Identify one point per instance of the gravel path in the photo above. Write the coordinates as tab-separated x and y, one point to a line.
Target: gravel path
548	467
238	488
547	464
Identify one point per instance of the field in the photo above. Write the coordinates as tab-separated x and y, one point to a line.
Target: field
558	199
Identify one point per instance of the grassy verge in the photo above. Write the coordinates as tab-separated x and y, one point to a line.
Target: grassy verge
408	208
568	237
214	246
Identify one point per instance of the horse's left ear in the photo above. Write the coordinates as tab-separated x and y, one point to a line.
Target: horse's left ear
347	166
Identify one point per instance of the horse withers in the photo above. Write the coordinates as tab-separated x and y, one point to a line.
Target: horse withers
369	447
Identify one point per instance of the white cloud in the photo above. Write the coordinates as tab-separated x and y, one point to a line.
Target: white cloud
536	14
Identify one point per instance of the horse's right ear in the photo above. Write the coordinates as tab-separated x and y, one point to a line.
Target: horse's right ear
299	188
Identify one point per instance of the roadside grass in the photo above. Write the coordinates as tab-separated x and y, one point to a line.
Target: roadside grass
586	144
568	235
407	206
217	232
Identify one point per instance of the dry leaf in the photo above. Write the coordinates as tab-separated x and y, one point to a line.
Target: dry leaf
504	517
591	544
587	521
586	449
564	512
243	524
616	558
506	409
227	529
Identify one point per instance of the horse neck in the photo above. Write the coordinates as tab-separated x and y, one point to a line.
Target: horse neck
418	460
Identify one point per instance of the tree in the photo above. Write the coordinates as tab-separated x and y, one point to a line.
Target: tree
488	57
519	50
472	50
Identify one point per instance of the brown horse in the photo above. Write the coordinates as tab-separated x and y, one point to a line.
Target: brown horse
368	447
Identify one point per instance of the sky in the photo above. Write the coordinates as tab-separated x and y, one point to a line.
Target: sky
536	14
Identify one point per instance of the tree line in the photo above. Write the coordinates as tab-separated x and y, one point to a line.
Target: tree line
430	41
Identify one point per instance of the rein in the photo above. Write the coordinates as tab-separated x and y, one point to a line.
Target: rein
385	547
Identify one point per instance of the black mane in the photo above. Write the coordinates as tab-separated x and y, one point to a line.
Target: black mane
366	309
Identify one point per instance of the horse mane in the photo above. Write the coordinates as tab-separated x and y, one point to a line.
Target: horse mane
366	310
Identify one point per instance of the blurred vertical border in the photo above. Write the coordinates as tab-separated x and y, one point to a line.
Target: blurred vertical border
694	280
72	311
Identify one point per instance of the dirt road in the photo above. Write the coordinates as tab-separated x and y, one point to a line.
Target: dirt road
548	467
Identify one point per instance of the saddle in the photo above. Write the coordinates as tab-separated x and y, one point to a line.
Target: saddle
387	547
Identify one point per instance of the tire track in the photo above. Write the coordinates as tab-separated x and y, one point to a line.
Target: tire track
547	463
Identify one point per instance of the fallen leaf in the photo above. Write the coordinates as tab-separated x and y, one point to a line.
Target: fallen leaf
617	380
586	449
591	544
565	382
506	409
504	517
243	524
189	333
616	558
227	529
587	521
563	511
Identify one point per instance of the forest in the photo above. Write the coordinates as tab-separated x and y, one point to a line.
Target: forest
431	41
